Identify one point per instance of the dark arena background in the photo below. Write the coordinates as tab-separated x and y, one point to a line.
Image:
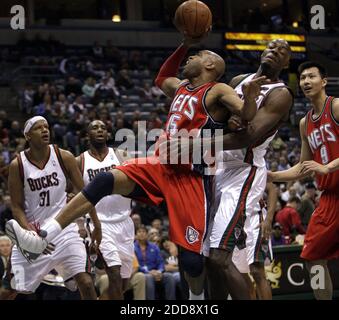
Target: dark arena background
76	61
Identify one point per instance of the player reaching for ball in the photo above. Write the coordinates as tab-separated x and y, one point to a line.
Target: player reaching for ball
199	102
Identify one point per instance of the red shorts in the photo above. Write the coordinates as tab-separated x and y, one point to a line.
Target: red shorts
184	191
322	236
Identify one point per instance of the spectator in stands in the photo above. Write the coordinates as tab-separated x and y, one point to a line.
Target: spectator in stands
289	218
112	53
76	106
152	265
278	144
157	93
3	133
277	237
104	91
88	88
124	81
5	253
73	87
283	164
28	98
6	123
137	282
146	91
307	204
157	224
169	252
153	235
136	220
15	134
154	121
98	50
45	107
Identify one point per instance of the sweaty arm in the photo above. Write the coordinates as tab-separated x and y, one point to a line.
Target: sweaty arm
272	198
266	119
73	171
295	173
16	187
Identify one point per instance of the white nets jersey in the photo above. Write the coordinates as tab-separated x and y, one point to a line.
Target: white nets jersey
44	188
114	208
253	155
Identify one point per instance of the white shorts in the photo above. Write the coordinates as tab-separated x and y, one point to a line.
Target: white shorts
117	245
257	249
237	195
69	258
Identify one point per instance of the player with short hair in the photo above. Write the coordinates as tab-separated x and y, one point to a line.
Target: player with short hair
37	186
116	249
319	131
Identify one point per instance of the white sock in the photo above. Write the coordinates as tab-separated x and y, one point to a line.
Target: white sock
193	296
53	228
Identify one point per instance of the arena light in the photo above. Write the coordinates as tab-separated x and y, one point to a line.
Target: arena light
116	18
295	24
259	47
264	36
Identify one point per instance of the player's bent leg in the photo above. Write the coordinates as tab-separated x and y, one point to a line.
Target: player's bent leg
233	279
86	286
263	287
114	290
320	277
194	272
103	184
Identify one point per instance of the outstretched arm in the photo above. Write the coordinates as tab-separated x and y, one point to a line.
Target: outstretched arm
295	173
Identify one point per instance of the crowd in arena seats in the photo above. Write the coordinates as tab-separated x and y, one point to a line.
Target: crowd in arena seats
116	86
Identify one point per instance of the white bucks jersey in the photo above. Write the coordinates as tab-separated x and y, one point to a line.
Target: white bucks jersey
254	154
113	208
44	188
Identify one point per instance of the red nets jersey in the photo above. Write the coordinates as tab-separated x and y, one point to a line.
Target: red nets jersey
188	111
323	138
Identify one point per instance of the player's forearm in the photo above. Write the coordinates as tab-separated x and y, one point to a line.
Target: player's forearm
20	217
249	109
170	68
289	175
333	165
94	218
272	199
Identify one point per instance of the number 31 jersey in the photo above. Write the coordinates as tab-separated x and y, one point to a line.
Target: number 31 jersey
322	135
44	188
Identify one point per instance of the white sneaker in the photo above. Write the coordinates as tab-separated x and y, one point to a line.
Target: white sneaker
28	242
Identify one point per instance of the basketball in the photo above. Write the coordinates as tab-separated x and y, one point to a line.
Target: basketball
194	18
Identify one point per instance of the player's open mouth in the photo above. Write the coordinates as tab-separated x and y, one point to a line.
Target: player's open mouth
307	90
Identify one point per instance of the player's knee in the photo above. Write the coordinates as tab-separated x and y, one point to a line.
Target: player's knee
85	283
101	186
192	263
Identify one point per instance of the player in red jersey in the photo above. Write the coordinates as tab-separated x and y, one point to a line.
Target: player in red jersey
319	131
199	103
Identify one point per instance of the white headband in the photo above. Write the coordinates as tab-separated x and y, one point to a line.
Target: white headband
31	122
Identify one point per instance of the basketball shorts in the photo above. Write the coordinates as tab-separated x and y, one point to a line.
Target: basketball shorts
322	236
69	258
117	245
185	192
257	248
237	194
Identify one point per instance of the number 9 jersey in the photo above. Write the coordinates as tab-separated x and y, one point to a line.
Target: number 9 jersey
322	135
